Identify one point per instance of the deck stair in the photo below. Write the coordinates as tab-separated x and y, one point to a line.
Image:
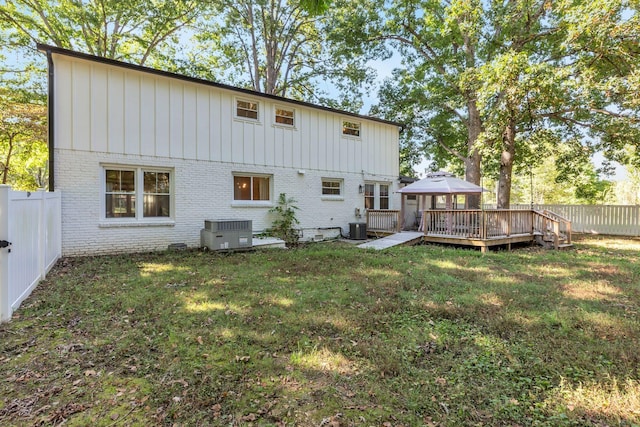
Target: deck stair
553	230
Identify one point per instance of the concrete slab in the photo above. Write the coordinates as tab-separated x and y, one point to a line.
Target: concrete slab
267	243
393	240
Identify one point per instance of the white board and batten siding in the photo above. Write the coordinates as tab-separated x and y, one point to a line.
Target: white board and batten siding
102	108
31	222
111	115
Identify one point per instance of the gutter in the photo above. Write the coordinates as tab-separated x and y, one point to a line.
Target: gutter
50	117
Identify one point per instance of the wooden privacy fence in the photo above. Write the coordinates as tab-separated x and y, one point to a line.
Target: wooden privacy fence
617	220
30	231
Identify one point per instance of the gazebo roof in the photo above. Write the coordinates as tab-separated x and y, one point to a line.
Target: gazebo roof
442	183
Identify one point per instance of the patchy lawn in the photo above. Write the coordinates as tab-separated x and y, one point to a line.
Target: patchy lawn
331	335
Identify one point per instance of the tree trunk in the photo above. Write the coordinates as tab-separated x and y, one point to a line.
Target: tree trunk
506	165
474	127
472	161
254	49
5	170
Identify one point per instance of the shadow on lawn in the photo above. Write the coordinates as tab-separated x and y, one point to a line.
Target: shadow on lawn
409	336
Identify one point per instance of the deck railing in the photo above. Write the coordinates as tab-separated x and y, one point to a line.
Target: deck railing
383	220
494	223
553	225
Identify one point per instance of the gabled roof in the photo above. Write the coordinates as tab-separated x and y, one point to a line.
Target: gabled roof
71	53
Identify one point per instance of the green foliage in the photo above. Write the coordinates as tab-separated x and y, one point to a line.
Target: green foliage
537	73
281	47
23	136
129	30
410	336
284	225
554	182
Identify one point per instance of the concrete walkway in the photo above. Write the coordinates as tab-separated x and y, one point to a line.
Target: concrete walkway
401	238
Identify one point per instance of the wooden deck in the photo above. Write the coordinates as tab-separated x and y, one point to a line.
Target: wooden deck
486	228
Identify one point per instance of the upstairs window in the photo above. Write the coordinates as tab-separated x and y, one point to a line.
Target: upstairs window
350	128
285	117
246	109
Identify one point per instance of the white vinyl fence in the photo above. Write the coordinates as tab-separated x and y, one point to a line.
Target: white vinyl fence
30	224
617	220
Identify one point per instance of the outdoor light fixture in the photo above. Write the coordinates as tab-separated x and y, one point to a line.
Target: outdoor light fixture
360	189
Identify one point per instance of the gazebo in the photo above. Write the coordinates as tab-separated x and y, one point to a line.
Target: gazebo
438	184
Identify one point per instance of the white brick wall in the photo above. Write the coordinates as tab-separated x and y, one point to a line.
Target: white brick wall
203	190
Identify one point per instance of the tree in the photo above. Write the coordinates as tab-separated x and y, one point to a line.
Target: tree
487	82
279	47
435	92
603	41
129	30
23	133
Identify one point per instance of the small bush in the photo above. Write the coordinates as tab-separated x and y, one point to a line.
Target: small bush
284	225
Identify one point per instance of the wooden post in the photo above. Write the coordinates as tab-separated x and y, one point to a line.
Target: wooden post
402	204
484	225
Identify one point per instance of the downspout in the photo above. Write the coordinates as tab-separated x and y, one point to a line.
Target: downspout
50	117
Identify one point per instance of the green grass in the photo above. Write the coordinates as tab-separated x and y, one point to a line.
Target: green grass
332	335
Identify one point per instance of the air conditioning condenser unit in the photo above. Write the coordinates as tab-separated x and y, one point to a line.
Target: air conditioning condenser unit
226	234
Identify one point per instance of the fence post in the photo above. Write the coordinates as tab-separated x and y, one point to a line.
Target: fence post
5	304
42	234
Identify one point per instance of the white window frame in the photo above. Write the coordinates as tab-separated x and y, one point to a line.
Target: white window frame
276	115
351	125
339	196
250	101
251	203
377	194
387	196
138	193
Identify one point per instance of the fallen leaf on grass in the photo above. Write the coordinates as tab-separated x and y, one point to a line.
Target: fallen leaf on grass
250	417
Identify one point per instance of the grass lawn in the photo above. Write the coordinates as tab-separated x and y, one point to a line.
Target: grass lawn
331	335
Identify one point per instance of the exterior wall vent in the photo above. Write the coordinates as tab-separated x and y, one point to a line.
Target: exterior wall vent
226	234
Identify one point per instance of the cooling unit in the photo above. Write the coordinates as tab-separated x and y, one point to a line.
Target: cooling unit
226	234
